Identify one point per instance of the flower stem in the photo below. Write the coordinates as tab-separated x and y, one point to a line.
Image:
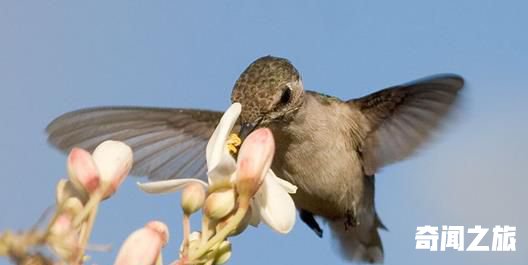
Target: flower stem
83	241
206	230
95	199
88	212
186	233
224	232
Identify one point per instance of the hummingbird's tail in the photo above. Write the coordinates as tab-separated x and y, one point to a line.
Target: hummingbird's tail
361	243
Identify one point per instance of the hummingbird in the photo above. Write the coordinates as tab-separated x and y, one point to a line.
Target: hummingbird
329	148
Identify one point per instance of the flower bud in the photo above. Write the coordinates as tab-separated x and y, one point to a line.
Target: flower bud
72	206
254	161
66	189
142	246
219	203
114	160
223	253
82	170
161	229
193	198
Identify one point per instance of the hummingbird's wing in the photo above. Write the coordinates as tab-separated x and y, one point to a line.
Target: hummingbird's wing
167	143
401	118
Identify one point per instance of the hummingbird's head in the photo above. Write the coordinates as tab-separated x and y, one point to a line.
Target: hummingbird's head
270	90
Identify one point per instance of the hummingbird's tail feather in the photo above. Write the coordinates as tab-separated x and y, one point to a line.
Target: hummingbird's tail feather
361	243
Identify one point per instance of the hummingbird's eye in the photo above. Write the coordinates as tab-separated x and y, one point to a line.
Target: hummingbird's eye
286	96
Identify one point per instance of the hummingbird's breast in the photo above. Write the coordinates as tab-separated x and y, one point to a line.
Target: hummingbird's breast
316	152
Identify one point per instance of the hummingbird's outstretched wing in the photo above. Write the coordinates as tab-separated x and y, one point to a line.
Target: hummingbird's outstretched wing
400	118
167	143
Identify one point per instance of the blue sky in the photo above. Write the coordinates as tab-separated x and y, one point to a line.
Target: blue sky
57	56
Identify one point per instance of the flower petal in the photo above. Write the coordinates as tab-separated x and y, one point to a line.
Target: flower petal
223	171
286	185
216	147
275	205
167	186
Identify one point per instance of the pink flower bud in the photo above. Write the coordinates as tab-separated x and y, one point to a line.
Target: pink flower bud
114	160
82	170
254	161
161	229
143	246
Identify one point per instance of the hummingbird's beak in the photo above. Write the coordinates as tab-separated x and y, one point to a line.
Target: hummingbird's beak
246	129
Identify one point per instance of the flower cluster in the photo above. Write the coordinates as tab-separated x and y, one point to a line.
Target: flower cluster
92	178
238	193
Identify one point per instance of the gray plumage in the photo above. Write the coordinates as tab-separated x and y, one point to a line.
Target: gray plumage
331	149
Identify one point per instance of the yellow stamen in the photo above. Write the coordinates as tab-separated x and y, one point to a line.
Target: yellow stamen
233	142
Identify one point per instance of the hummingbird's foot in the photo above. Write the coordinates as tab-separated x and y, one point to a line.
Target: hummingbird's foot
351	220
308	219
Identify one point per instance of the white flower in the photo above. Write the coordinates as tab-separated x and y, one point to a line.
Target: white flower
271	204
109	164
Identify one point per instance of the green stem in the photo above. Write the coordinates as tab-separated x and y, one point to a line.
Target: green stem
186	233
56	214
83	241
89	227
89	211
207	230
95	198
224	232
